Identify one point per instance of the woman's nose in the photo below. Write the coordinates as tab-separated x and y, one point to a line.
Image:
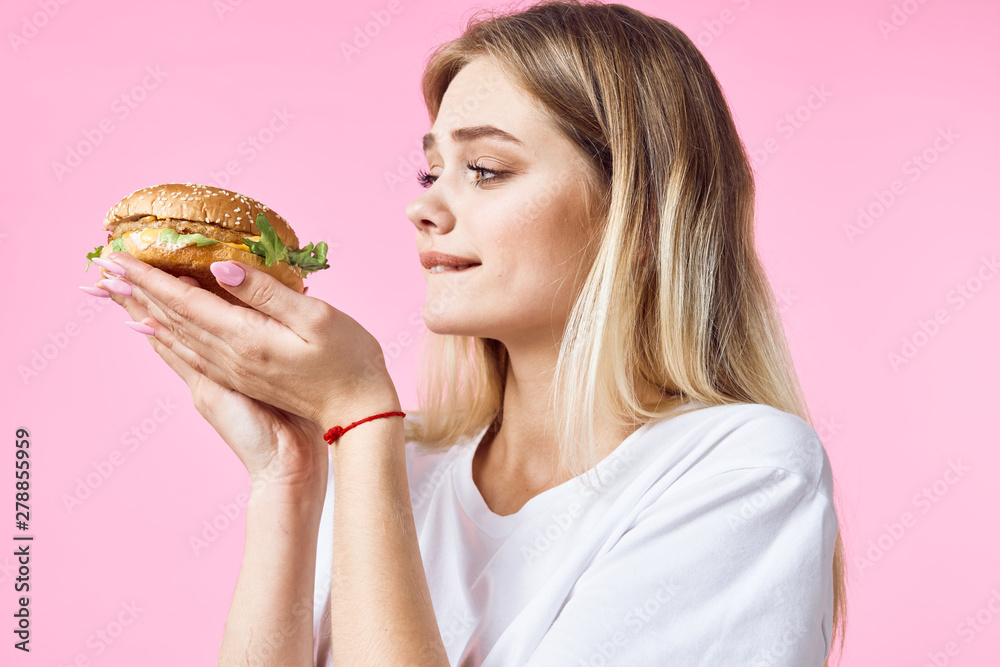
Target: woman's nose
428	213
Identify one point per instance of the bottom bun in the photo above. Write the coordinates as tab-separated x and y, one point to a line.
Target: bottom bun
195	261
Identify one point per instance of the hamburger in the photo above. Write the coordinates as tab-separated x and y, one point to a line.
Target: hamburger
182	228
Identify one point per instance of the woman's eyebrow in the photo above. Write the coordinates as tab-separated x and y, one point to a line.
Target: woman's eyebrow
464	134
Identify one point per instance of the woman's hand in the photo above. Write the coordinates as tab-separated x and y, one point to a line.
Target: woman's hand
274	445
294	352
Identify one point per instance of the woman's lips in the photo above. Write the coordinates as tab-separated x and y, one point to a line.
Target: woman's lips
431	258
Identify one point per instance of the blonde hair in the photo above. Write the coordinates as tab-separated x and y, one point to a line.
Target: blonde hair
676	297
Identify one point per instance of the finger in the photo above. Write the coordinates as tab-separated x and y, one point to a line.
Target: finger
197	347
203	358
119	294
140	314
95	291
136	311
194	364
124	296
197	339
183	304
114	285
188	374
264	292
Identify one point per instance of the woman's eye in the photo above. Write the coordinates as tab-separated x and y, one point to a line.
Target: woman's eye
426	180
482	171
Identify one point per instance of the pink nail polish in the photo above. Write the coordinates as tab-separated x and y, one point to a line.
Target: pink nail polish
228	273
141	328
117	286
110	266
96	291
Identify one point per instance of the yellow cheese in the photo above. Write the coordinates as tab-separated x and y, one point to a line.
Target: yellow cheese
240	245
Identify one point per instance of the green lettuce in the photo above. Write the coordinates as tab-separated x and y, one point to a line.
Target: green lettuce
96	252
308	259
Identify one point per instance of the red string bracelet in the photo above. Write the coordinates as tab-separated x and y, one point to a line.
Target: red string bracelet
337	431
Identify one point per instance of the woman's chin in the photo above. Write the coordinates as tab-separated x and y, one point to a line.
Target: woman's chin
449	324
446	329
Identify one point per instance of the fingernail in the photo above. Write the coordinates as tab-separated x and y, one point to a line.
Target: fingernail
117	286
141	328
228	273
110	266
96	291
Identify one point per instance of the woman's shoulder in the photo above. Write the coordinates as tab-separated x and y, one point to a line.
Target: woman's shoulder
738	436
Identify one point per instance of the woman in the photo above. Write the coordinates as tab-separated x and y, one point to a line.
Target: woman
612	463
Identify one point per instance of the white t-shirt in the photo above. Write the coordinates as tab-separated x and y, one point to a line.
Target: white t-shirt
712	544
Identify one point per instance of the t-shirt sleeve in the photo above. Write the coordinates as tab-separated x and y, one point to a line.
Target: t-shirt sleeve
732	569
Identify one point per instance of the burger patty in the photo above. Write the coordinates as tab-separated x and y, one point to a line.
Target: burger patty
182	227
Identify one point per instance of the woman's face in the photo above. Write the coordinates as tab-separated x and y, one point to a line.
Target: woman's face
520	215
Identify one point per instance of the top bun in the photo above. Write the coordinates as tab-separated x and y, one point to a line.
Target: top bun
199	203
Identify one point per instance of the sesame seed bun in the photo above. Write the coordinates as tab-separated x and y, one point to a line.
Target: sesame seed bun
199	203
190	208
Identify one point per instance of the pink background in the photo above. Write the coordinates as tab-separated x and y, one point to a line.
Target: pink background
922	566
